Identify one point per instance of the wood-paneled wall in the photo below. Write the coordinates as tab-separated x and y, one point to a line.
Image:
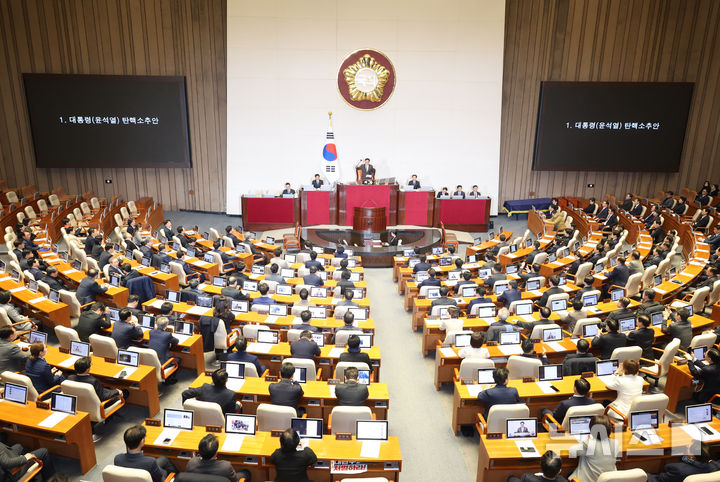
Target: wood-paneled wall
609	40
133	37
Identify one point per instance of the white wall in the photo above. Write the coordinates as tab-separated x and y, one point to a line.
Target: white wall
442	122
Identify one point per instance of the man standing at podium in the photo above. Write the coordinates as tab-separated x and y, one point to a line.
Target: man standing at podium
367	172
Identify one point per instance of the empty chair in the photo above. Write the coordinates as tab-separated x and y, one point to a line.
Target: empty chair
342	366
312	373
103	346
11	197
632	475
69	298
42	206
54	200
626	353
124	213
632	287
648	275
293	335
88	401
250	331
24	381
498	415
343	418
65	336
213	234
714	295
540	258
520	367
95	203
150	357
30	212
115	473
132	208
85	208
274	417
206	413
660	367
469	368
582	271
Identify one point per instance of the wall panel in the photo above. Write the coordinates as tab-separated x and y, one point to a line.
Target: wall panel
609	40
130	37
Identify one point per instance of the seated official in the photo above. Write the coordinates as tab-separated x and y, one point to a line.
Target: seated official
216	393
649	305
413	182
575	315
443	194
126	329
166	309
351	393
206	462
340	253
286	392
232	290
291	464
586	285
628	385
349	320
635	264
161	340
680	328
306	316
444	300
500	326
500	394
313	279
591	207
106	255
303	301
314	262
14	313
511	294
466	280
701	463
452	324
52	279
550	466
609	339
481	291
317	182
93	321
528	351
263	299
15	456
82	375
459	193
354	353
545	313
241	355
476	348
347	299
708	375
288	190
305	347
89	288
345	282
554	289
278	259
431	280
12	357
33	266
580	362
643	336
274	275
133	304
367	172
623	310
619	274
597	454
475	193
581	388
134	438
41	373
503	242
192	292
423	265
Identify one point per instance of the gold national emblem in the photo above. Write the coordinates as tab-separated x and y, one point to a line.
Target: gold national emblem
366	79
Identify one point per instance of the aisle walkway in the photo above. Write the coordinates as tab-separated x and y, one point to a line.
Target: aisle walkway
419	415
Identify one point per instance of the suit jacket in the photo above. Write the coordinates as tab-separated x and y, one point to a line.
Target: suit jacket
41	374
430	282
103	259
221	468
714	241
677	472
494	330
292	466
96	251
102	392
554	290
313	262
285	392
494	278
124	333
89	245
210	393
91	323
611	221
679	329
87	290
498	395
709	376
11	356
304	348
590	208
602	214
577	363
679	208
509	296
636	210
351	393
317	183
619	314
233	293
442	301
143	462
313	280
627	204
160	341
167	233
608	342
237	356
619	275
649	307
421	267
574	401
642	337
541	478
460	194
288	191
572	318
356	357
146	251
702	222
414	184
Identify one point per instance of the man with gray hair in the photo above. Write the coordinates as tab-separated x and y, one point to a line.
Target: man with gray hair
500	326
160	340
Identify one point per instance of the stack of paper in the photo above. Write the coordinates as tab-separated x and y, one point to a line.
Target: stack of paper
233	442
259	347
508	350
235	384
69	361
527	448
54	419
198	310
555	346
335	352
181	338
271	319
167	436
448	352
545	387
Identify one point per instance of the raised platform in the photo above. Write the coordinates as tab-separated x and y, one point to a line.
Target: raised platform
366	245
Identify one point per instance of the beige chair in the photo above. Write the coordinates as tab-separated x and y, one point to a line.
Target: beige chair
85	208
558	296
592	410
632	287
647	277
293	335
297	309
342	418
274	417
95	203
24	381
704	339
450	336
228	243
103	346
498	415
206	413
250	331
578	329
43	287
42	206
342	366
69	298
149	357
177	269
341	337
88	401
261	308
30	212
340	311
660	368
469	368
477	306
66	336
632	475
520	367
709	477
54	200
6	321
114	473
11	197
697	299
537	331
641	403
626	353
312	372
714	296
213	234
221	338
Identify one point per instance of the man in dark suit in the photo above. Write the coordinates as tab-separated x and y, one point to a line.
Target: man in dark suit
503	242
166	231
500	393
550	465
97	247
581	388
668	201
317	182
241	355
611	221
681	327
703	199
481	291
367	172
313	279
146	248
93	321
443	194
105	255
466	280
126	330
191	292
511	294
620	273
531	256
128	274
657	232
232	289
627	203
590	209
134	438
354	354
431	280
607	342
497	275
133	305
206	461
314	262
702	221
340	252
649	305
423	265
16	457
306	316
681	206
348	319
286	392
554	289
475	193
643	336
714	239
33	266
636	208
604	211
216	393
351	393
582	361
444	299
414	183
231	235
688	465
82	375
500	326
160	339
288	190
305	347
184	241
459	193
89	241
89	288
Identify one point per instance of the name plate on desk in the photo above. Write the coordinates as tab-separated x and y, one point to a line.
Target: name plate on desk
276	433
153	422
528	380
494	435
343	436
213	428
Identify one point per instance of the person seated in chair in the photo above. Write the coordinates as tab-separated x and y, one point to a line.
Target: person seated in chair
286	392
313	279
354	353
216	393
305	347
206	461
290	463
550	466
126	329
93	321
241	355
82	375
609	340
580	362
351	393
581	388
500	393
263	299
348	299
42	375
133	458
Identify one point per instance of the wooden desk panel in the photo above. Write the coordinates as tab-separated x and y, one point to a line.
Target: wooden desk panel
416	207
263	213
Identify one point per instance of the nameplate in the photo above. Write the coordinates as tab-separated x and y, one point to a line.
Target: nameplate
276	433
213	428
536	340
528	379
492	343
271	378
587	375
494	436
153	422
343	436
333	381
64	350
209	373
467	381
43	405
109	359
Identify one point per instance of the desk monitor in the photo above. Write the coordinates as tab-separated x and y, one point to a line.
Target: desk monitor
513	248
590	300
485	376
77	264
278	310
2	266
562	280
524	308
358	293
484	273
697	413
359	313
511	269
413	262
521	427
115	280
209	258
14	275
443	312
599	267
37	336
234	369
318	292
319	338
257	269
250	286
113	314
445	261
175	246
64	255
365	340
552	258
487	311
433	293
15	393
128	358
689	309
354	275
528	243
657	318
617	294
532	285
33	286
184	328
606	367
437	251
550	373
613	261
147	321
407	253
552	334
60	402
190	253
645	420
240	306
79	348
672	272
308	427
219	281
371	429
627	324
454	275
145	262
241	424
510	338
558	305
657	279
699	352
165	268
579	425
364	377
318	312
322	275
287	273
468	291
172	296
478	240
500	288
590	330
290	258
182	419
267	336
462	340
283	290
205	301
318	249
472	258
300	375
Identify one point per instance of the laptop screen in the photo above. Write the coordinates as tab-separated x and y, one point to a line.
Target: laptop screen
552	334
250	285
371	429
147	321
318	292
308	427
242	424
184	328
360	314
433	293
205	301
579	425
500	288
558	305
364	377
79	348
318	312
657	318
697	413
240	306
59	402
182	419
278	310
287	273
319	338
365	340
165	268
234	369
513	248
511	269
468	291
590	300
590	330
113	314
485	376
617	294
284	290
37	336
115	280
521	427
257	269
522	309
606	367
300	375
127	358
486	311
510	338
172	296
267	336
408	253
645	420
532	285
462	339
627	324
548	373
699	352
15	393
290	258
454	275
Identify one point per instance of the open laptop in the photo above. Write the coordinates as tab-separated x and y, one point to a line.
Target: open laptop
487	311
590	301
552	334
60	402
278	310
590	330
524	308
617	294
510	338
627	324
267	336
37	336
147	322
172	296
307	429
462	340
521	428
532	285
79	348
550	373
371	430
360	313
283	290
364	377
485	376
239	306
128	358
300	375
468	291
180	419
15	393
657	318
318	312
643	424
579	426
558	305
240	424
604	369
700	416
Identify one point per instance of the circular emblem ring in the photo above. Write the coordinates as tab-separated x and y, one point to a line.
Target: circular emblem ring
366	79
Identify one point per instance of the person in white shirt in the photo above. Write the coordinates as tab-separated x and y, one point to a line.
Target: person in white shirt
627	384
452	324
476	348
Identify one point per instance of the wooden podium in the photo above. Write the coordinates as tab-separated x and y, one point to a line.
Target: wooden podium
369	219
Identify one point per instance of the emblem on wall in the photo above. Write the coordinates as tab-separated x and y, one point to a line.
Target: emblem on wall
366	79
